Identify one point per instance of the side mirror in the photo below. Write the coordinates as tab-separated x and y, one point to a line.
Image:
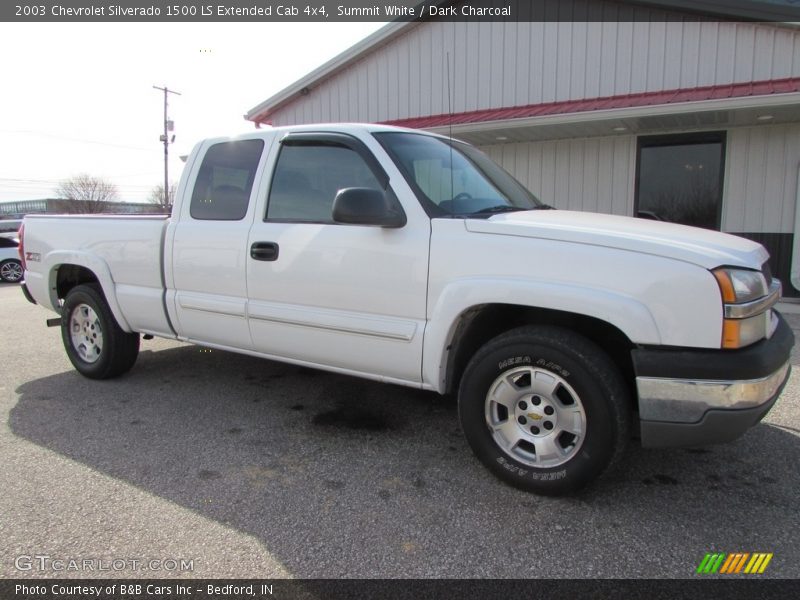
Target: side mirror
367	206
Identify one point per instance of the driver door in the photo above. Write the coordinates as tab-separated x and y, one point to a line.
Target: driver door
350	298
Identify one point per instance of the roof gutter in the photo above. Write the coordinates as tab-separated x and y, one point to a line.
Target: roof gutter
771	100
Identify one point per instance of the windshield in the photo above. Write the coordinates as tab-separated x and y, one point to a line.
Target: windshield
455	179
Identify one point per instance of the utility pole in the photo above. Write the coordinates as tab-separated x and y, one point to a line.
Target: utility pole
168	126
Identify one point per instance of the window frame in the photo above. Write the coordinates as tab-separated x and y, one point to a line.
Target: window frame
683	139
326	138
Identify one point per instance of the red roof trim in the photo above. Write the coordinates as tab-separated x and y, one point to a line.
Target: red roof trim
711	92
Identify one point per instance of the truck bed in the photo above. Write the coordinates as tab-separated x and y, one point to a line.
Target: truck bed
126	249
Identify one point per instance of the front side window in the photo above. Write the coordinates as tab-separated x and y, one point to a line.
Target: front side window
455	179
225	179
307	178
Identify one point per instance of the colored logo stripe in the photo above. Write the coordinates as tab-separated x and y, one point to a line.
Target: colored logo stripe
734	563
710	563
758	563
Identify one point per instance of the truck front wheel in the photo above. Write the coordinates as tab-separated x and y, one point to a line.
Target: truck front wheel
96	345
544	408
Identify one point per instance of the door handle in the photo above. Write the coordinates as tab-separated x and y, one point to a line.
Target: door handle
264	251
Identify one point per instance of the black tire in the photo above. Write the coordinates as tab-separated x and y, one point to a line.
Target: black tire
582	378
99	349
11	270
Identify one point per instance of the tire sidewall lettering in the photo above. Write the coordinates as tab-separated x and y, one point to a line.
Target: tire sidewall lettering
542	363
513	362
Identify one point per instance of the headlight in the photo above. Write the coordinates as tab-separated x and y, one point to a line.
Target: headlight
747	301
739	285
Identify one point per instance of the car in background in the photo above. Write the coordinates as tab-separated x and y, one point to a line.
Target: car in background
10	227
10	265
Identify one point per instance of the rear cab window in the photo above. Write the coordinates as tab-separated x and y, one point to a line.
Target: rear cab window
225	180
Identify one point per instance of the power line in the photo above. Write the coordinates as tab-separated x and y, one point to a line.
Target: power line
79	140
5	182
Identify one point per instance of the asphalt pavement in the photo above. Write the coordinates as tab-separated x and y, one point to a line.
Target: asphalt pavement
241	467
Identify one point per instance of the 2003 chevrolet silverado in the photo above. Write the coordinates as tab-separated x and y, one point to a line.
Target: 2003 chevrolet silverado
412	259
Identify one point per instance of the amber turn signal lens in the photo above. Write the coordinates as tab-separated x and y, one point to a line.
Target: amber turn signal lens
731	333
725	285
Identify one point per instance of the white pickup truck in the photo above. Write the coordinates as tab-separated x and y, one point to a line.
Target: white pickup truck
403	257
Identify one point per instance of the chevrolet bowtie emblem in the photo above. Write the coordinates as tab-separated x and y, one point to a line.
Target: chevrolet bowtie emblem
534	417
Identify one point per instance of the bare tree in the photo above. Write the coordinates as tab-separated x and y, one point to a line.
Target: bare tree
157	197
86	194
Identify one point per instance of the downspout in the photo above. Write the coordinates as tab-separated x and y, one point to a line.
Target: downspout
795	271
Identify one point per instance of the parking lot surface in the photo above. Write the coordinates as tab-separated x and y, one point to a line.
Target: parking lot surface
251	468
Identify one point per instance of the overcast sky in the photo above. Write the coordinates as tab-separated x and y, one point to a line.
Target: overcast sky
79	98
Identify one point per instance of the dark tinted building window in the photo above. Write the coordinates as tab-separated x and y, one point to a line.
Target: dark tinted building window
679	179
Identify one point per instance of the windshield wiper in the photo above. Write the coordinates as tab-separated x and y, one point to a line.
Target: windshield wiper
497	209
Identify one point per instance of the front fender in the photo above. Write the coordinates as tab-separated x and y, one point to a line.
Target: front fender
54	260
625	313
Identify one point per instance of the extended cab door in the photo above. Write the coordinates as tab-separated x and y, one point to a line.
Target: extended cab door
208	283
348	297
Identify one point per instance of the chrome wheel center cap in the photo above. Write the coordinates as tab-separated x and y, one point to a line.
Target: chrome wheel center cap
536	415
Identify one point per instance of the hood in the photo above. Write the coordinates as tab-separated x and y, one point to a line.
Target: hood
708	249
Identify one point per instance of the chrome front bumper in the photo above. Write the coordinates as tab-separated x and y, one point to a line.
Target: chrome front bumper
687	401
696	397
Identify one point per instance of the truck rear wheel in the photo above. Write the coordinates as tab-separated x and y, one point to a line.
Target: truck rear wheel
95	344
545	409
